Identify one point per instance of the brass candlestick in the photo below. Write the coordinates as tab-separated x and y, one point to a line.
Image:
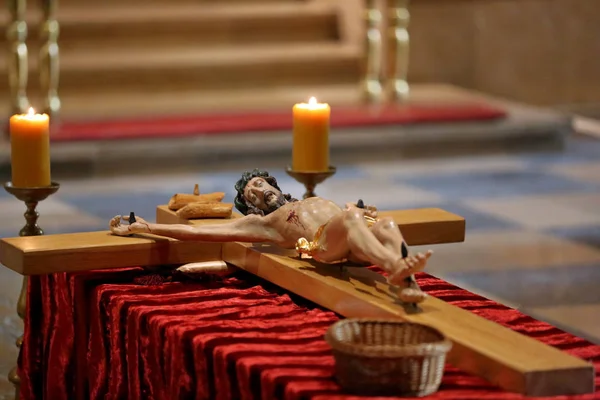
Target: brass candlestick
310	180
399	17
49	58
374	53
31	197
18	69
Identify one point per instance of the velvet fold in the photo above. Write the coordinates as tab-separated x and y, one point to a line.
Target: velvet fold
125	334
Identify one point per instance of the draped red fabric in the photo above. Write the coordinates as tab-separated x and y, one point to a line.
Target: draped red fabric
125	334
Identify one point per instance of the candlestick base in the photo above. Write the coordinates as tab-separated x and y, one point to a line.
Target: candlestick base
310	180
31	197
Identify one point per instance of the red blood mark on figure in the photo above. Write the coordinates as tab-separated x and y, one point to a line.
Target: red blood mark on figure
294	219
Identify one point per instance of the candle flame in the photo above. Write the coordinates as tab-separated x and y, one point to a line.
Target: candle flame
31	112
312	101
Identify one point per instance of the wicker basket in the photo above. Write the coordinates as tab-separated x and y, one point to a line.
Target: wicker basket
387	357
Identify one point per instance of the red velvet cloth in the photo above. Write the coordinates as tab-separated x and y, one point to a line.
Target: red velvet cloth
120	334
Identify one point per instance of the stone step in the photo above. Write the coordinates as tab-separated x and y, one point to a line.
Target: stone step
133	104
150	3
143	3
196	24
124	56
151	70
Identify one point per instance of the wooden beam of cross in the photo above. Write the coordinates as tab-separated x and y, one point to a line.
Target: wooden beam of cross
38	255
500	355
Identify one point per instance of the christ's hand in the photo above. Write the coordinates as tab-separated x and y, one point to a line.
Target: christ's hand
140	226
369	211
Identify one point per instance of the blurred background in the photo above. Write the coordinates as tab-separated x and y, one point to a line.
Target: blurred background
486	108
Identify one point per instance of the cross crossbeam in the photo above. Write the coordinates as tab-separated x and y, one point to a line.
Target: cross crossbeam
34	255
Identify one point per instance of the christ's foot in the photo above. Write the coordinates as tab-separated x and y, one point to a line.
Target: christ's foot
408	266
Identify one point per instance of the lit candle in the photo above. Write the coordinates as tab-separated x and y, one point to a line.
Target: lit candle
30	149
311	137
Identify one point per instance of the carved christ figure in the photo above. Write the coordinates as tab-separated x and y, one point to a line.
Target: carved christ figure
315	227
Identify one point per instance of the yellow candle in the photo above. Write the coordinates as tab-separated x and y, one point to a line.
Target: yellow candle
311	137
30	149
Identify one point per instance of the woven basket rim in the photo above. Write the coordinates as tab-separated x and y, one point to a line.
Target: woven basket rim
441	346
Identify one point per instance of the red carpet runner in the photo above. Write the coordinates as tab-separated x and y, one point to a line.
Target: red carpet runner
117	334
267	121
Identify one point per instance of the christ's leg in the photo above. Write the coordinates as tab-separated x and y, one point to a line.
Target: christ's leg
347	234
388	233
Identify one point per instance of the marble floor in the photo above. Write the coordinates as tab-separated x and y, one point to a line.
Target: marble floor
533	224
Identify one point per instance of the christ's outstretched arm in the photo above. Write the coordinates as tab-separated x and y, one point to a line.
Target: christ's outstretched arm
251	228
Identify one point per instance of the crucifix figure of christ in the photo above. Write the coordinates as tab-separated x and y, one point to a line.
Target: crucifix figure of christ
315	227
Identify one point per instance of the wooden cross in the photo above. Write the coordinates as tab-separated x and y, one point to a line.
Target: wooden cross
501	356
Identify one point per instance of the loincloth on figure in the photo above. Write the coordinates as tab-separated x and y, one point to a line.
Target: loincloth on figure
312	249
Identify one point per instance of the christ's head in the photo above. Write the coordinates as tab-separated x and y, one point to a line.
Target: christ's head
258	193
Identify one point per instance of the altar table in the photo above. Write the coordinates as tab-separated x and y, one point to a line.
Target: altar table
129	333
